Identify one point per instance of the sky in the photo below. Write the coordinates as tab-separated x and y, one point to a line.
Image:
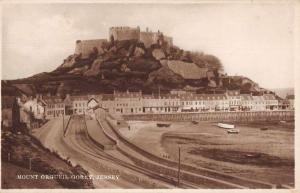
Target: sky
251	39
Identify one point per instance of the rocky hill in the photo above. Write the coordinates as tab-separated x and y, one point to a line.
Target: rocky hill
128	64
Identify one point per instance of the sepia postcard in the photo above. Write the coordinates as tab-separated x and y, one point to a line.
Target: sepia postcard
128	96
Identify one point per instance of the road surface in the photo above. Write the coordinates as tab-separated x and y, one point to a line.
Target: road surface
79	149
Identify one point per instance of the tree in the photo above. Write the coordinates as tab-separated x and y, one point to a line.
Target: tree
15	116
213	62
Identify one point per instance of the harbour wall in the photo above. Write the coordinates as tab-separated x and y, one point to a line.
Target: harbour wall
216	116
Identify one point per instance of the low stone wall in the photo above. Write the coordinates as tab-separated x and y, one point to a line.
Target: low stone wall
217	116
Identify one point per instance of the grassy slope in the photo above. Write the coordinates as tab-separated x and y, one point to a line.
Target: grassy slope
9	172
22	147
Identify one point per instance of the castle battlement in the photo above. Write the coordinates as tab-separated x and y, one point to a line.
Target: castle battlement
86	47
119	33
124	33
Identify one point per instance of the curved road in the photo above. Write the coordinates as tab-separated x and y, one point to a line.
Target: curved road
79	149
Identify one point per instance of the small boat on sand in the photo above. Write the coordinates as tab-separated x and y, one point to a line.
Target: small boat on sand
252	155
264	128
233	131
163	124
195	122
225	126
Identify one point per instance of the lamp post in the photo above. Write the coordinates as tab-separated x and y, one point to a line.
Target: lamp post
178	176
63	122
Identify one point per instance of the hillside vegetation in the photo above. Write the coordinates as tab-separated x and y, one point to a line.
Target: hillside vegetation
17	151
129	65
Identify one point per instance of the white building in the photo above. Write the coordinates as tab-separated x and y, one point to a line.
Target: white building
92	105
79	104
36	107
107	102
291	100
271	102
259	104
128	102
247	102
234	98
55	107
160	103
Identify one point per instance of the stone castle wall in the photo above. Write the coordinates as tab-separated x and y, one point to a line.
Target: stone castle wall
147	38
168	40
124	33
86	47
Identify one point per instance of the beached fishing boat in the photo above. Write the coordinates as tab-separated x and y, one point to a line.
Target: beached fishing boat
163	124
233	131
195	122
225	126
253	155
264	128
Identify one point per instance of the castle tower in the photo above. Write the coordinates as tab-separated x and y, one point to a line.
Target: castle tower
124	33
86	47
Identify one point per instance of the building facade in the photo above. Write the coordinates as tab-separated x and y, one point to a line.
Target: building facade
128	102
55	107
234	99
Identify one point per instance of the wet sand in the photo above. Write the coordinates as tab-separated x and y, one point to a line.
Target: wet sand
266	155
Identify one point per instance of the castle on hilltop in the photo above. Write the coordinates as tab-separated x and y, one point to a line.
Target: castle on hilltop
86	47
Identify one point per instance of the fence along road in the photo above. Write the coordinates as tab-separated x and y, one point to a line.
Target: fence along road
94	149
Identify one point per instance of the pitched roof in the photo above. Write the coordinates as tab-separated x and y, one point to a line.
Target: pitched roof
246	97
107	97
233	92
269	97
203	97
291	96
258	98
92	99
127	94
79	98
52	99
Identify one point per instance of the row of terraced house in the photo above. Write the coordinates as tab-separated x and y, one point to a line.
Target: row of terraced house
138	103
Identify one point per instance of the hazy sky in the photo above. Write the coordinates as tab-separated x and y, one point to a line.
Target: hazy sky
251	39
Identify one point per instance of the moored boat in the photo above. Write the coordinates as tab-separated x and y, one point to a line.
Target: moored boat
233	131
163	124
252	155
225	126
195	122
